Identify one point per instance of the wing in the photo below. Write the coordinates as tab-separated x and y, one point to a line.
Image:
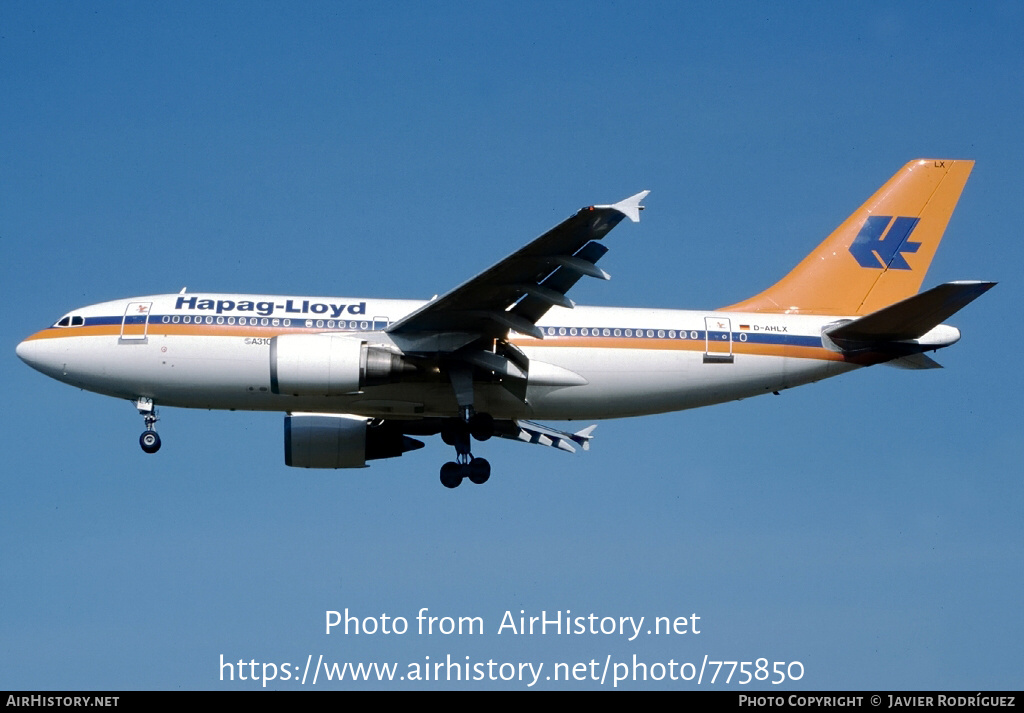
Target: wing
519	290
530	432
463	336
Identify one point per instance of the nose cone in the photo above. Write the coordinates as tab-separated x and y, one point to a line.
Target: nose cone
25	352
40	356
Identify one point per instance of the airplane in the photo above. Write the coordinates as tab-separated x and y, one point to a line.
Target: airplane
357	378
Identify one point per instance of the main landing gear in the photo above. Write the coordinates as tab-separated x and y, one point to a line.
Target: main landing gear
457	432
150	439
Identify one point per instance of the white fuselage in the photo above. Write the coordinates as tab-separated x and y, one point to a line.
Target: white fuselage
213	351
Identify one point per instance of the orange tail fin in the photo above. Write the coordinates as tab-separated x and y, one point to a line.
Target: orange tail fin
880	254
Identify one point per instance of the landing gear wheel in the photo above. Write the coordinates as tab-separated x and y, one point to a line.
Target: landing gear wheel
454	432
479	470
451	475
150	441
481	426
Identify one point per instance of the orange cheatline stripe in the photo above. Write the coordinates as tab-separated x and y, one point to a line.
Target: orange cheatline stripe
686	345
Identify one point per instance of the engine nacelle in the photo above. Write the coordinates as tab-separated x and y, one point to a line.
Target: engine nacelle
329	365
339	441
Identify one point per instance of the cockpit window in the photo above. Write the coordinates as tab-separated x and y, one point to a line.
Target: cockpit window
71	320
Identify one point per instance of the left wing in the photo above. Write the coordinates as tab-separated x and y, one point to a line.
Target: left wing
519	290
530	432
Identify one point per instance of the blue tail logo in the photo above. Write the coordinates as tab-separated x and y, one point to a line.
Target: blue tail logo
882	241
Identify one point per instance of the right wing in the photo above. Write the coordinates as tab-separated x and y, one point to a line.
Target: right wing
464	334
519	290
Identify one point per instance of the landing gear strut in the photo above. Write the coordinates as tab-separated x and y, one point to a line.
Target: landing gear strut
457	432
150	439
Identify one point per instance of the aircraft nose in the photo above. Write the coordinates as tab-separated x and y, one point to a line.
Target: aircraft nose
34	353
27	352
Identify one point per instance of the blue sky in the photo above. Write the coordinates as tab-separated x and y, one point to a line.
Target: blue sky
868	526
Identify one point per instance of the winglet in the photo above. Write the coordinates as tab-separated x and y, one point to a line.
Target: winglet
630	207
583	437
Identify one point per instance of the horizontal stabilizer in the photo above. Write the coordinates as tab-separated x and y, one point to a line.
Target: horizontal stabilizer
913	317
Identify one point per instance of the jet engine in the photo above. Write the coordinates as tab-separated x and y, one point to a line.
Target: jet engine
330	365
340	441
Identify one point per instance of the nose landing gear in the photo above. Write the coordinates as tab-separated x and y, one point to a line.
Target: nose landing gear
150	439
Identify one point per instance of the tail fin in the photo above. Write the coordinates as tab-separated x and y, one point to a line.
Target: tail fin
877	256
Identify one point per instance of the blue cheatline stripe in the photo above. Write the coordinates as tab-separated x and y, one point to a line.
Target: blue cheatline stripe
680	335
